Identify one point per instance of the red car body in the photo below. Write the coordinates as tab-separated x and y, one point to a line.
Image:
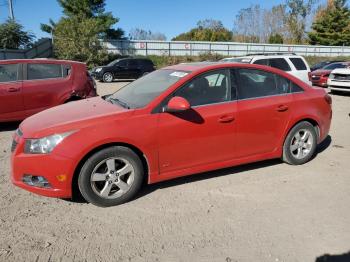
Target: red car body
320	77
38	84
218	135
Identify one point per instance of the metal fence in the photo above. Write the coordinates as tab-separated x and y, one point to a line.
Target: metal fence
182	48
41	49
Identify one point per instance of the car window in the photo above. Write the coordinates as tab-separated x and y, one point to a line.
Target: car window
8	73
255	83
261	62
44	71
295	88
206	89
279	63
133	63
122	63
335	65
298	63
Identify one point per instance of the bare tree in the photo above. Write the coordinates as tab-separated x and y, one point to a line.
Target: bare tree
141	34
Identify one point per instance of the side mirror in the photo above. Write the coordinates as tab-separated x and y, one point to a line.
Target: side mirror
177	104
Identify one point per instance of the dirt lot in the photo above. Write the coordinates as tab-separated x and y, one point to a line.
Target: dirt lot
268	211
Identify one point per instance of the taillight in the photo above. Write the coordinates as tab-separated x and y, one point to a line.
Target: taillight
309	75
328	99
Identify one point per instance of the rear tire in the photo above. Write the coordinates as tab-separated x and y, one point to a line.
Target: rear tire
300	144
111	176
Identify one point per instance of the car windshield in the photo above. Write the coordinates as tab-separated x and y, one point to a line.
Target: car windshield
142	91
334	66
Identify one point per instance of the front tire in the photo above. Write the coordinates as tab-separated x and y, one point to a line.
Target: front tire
300	144
107	77
111	176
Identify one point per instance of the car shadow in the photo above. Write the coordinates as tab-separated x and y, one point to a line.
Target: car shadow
324	145
334	258
9	126
207	175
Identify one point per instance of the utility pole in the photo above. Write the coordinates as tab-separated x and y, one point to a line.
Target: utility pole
11	10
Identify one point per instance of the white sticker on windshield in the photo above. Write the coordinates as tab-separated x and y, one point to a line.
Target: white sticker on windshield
179	74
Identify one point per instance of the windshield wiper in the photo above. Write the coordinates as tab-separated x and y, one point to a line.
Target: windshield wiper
113	99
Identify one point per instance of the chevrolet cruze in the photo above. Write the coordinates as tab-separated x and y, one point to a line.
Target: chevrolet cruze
177	121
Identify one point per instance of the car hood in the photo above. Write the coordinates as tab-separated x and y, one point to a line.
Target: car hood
343	71
321	72
71	116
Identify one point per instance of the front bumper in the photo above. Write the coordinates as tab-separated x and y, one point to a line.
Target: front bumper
50	166
97	75
343	86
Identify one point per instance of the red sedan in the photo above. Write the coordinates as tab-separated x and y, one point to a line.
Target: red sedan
28	86
177	121
319	77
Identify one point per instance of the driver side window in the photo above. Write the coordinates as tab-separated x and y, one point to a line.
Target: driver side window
209	88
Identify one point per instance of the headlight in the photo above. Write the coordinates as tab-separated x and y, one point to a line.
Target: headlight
98	70
44	145
331	76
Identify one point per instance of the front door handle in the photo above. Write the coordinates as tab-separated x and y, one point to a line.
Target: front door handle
226	119
13	89
282	108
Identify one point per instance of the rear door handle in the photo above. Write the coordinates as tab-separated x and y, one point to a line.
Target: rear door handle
282	108
13	89
226	119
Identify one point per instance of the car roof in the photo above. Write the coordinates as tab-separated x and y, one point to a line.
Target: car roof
36	60
206	66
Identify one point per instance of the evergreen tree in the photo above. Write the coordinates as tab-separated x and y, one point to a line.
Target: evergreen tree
331	25
78	34
12	36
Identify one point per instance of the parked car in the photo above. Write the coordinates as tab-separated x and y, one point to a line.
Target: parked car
322	64
339	80
29	86
291	63
177	121
319	77
127	68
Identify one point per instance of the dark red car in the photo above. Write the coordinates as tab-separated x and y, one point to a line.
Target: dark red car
319	77
29	86
173	122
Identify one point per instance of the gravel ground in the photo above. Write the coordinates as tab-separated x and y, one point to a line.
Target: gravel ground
267	211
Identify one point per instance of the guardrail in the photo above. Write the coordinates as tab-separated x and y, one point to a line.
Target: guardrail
188	48
41	49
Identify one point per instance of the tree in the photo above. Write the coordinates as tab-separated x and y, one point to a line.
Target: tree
77	39
331	25
78	34
206	30
276	39
298	13
141	34
12	36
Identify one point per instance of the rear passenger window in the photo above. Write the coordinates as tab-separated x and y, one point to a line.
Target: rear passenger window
8	73
295	88
133	64
279	63
44	71
257	83
298	63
